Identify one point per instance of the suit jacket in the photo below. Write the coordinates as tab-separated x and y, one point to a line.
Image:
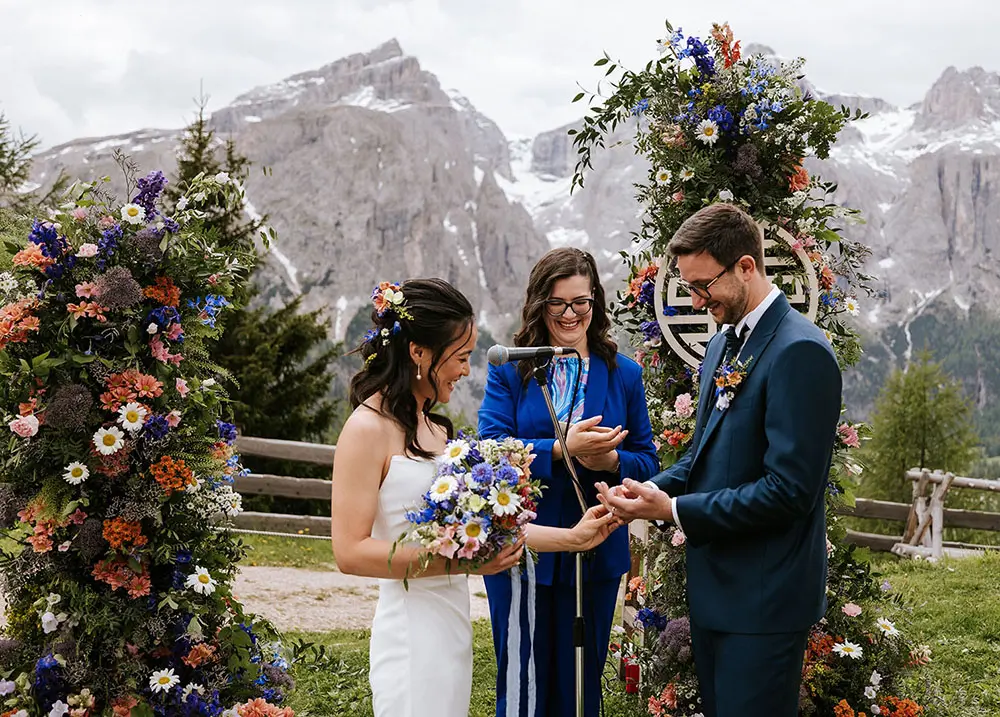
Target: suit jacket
750	489
513	408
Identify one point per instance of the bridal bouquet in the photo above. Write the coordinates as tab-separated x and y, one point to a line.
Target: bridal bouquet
481	496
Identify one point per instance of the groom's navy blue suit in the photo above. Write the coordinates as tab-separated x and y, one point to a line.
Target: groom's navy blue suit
750	499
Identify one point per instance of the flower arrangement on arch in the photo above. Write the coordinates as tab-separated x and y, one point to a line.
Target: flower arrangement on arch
717	125
120	462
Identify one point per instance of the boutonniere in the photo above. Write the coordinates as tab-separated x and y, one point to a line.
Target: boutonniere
728	380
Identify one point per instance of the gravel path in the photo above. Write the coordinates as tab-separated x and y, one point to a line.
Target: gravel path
299	599
316	601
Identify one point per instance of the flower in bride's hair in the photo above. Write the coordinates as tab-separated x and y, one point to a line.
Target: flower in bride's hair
389	297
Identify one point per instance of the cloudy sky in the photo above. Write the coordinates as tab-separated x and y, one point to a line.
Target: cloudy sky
97	67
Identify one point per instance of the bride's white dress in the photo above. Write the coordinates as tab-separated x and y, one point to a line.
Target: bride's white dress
421	644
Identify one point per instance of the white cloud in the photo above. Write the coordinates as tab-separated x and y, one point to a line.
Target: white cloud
94	67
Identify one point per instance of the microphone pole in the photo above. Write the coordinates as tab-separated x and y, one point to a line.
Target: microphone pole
579	628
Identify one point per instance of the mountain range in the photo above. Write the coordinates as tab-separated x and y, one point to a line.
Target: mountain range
376	172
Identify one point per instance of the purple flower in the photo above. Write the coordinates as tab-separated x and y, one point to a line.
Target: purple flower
650	618
651	331
227	432
722	117
646	293
150	188
640	107
156	427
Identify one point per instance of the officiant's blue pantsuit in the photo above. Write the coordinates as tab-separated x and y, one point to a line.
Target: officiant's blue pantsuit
750	499
513	408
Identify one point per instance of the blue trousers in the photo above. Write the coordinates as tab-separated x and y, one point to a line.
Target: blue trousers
555	676
742	675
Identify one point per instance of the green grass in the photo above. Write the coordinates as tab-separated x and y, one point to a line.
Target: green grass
288	552
956	611
340	686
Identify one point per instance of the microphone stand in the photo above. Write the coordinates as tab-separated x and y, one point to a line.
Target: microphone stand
579	632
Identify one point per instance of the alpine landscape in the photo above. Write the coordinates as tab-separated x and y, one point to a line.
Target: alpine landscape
374	171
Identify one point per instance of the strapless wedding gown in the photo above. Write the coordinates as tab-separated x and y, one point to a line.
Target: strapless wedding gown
421	645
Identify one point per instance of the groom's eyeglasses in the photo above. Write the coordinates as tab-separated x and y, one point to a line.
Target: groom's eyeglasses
580	307
702	289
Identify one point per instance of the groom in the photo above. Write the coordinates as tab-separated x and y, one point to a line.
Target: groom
749	492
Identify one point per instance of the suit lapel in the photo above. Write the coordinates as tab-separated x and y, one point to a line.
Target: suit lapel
757	342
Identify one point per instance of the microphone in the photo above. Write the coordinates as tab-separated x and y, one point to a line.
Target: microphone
499	355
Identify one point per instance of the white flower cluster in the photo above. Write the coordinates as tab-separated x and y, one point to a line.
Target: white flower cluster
208	504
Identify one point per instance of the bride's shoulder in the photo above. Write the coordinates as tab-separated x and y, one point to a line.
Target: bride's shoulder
368	427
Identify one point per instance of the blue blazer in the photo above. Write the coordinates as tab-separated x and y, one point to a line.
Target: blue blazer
750	489
512	408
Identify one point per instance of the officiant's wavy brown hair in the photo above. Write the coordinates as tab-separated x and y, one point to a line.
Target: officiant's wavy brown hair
555	265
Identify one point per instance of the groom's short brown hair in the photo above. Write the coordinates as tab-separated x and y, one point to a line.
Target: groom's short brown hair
722	230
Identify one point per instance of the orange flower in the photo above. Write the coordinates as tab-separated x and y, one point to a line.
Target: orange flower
121	533
896	707
172	474
799	180
122	707
723	35
199	654
262	708
163	291
842	709
32	255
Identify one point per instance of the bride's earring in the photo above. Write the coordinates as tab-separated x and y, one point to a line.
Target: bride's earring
418	372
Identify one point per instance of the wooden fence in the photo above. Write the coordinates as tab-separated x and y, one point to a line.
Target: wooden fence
924	519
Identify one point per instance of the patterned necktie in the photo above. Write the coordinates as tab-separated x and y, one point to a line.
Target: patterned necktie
734	342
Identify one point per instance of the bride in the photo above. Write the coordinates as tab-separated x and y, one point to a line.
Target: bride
421	641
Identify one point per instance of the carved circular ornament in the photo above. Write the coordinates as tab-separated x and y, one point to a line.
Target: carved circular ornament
688	332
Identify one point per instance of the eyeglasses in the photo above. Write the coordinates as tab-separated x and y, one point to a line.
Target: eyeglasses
702	289
557	307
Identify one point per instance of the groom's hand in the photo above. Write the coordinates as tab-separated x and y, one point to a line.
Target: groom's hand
637	500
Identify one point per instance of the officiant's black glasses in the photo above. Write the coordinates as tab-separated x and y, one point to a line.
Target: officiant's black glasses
702	289
557	307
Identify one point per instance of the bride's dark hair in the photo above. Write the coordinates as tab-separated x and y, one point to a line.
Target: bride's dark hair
434	314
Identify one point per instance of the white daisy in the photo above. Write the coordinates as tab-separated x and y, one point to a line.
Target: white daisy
456	451
851	306
200	581
663	177
76	473
472	530
848	649
109	440
829	336
504	500
442	489
887	628
708	132
133	214
163	680
131	416
686	174
193	687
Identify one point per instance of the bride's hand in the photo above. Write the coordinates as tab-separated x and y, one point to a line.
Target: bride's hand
502	561
594	528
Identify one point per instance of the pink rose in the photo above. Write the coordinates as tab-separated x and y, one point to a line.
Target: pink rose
80	213
87	250
24	426
182	387
851	610
684	406
849	435
678	538
86	290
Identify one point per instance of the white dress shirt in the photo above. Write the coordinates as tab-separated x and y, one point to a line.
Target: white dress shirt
744	328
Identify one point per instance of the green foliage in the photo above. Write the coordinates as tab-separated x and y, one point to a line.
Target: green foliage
280	361
921	420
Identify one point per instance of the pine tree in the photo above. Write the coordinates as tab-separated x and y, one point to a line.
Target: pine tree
921	419
280	360
15	171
